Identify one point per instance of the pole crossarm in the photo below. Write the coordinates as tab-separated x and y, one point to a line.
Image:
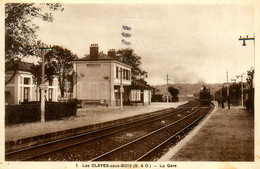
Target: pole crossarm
246	39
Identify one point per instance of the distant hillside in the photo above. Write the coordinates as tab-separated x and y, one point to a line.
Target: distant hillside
187	89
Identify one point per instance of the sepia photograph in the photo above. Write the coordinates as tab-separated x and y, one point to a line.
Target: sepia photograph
120	84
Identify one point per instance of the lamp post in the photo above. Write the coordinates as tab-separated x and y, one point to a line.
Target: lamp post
244	44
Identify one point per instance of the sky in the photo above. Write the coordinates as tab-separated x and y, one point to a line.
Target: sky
192	43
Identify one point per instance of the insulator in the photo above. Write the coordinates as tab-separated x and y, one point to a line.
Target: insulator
244	43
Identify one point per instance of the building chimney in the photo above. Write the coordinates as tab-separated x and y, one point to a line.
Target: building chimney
93	51
118	58
112	53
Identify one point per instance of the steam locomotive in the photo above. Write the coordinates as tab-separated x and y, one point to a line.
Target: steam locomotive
205	96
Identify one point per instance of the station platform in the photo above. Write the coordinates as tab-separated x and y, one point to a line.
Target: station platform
87	119
225	135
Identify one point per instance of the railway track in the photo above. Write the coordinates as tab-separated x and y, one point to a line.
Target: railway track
141	148
89	146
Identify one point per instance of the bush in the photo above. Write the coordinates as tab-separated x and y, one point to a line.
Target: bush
55	111
22	113
31	112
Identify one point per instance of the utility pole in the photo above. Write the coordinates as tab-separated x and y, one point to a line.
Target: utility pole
43	86
167	79
242	96
121	89
228	99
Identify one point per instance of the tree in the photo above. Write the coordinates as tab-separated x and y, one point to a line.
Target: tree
61	58
20	31
73	78
128	57
174	92
250	103
235	91
250	78
36	71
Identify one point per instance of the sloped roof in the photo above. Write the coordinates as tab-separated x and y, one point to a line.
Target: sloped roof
24	66
101	56
141	86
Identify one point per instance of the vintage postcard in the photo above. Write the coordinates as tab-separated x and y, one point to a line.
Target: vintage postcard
130	84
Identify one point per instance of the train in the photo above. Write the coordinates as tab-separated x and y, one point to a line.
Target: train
205	96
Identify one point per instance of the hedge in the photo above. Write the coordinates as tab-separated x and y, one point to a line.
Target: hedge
250	103
31	112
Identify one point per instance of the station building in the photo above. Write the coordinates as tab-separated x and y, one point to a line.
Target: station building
100	76
22	88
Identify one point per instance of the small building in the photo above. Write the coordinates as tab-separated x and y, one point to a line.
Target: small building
22	88
100	77
140	93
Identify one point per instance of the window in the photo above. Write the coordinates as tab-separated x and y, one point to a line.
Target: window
50	95
124	73
133	95
136	95
26	81
50	82
127	75
116	72
26	94
121	73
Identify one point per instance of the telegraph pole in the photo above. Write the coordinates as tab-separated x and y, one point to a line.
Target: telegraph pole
167	79
43	86
121	89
